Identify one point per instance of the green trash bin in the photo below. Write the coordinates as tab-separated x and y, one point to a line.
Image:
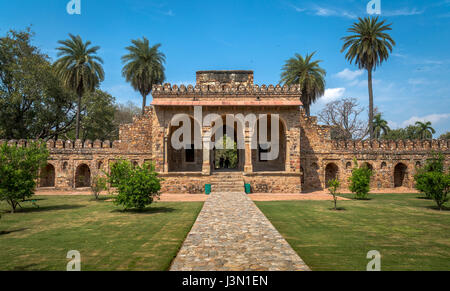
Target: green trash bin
207	189
248	189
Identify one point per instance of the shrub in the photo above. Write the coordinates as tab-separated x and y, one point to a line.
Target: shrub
120	170
433	181
19	170
360	180
333	187
139	189
98	184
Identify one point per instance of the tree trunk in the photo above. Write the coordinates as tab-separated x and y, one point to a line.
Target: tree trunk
144	102
77	130
307	109
370	102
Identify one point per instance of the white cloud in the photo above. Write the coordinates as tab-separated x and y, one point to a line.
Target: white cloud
169	13
325	11
403	12
349	75
332	94
433	118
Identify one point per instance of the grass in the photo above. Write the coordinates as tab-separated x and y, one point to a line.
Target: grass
107	237
409	232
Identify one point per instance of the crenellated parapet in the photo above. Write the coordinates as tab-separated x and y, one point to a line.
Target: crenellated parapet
391	145
68	144
225	89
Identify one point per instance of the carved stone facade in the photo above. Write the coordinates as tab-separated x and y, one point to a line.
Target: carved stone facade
308	157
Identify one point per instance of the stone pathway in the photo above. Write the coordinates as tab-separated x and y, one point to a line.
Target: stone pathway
232	234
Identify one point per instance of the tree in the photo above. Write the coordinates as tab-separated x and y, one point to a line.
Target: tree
79	68
308	74
411	132
380	125
19	170
98	116
123	114
139	188
144	67
368	46
445	135
360	180
343	115
433	181
333	187
228	151
425	130
33	102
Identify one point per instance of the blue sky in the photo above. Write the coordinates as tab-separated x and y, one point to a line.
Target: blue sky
260	35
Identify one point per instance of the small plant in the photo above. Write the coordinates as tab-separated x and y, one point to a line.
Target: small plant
139	188
433	181
360	180
333	187
98	184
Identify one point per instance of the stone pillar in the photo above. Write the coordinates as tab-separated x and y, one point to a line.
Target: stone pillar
248	166
206	166
166	154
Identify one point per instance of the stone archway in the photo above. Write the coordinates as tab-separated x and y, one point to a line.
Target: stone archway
185	159
229	157
275	165
83	176
331	173
47	177
400	175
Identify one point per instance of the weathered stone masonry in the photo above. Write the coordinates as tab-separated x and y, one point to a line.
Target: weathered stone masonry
308	157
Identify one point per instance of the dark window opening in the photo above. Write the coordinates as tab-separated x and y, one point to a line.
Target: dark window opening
190	154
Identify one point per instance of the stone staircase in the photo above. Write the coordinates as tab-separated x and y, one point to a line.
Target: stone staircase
227	182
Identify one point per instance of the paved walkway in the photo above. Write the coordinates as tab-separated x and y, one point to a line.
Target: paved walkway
232	234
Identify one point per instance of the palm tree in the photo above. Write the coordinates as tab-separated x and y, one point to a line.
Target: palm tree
425	129
368	46
79	69
143	67
308	74
380	125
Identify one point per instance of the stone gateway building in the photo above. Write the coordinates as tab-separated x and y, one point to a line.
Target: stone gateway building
307	158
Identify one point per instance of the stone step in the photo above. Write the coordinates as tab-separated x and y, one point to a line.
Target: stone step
227	182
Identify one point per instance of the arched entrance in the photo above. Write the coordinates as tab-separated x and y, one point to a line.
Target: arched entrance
399	174
185	159
331	173
47	177
225	156
83	176
274	165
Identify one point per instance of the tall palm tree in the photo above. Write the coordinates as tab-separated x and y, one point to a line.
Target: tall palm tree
308	74
79	68
425	129
380	125
143	67
368	46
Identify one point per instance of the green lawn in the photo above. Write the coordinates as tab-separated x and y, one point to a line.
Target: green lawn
408	232
106	237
